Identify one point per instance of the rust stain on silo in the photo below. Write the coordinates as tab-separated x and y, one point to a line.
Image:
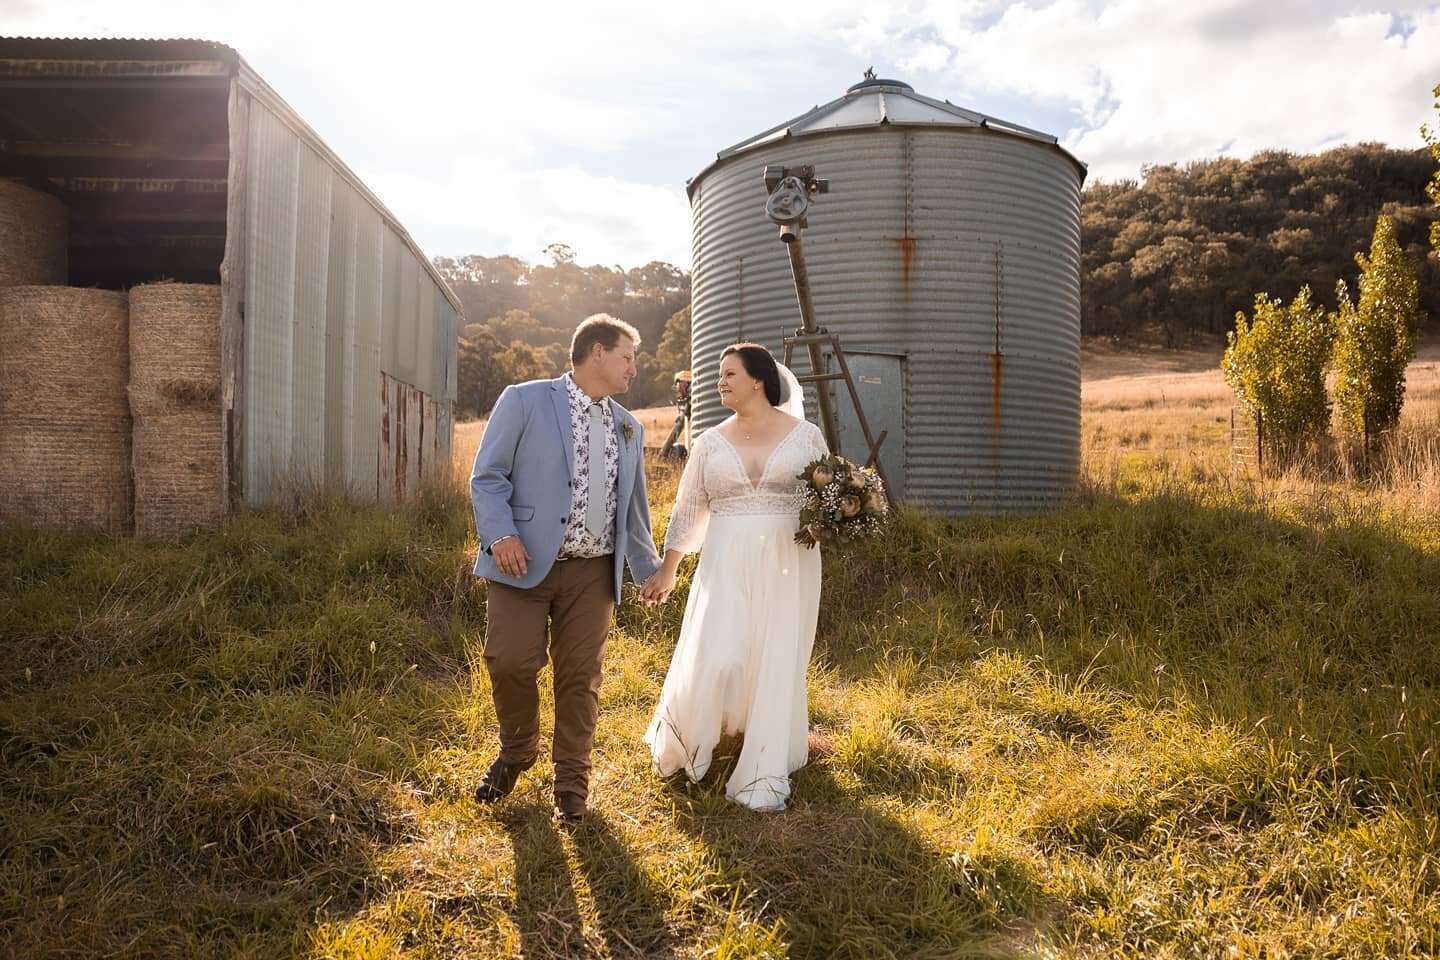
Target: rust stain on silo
997	376
907	258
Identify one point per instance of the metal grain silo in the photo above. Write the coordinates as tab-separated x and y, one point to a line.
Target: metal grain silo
946	256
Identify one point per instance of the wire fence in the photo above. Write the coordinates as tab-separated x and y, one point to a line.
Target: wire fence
1247	435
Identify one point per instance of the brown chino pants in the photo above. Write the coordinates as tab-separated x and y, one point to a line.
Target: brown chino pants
576	600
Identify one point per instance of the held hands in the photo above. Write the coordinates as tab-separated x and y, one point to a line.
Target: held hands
511	557
657	589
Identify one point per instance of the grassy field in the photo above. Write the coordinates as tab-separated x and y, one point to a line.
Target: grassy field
1192	714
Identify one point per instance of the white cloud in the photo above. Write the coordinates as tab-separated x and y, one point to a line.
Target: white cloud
1152	83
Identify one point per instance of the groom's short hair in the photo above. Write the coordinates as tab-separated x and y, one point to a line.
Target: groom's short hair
599	328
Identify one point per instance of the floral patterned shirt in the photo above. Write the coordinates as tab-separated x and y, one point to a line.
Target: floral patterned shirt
578	541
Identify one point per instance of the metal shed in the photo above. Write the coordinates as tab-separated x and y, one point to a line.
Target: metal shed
946	255
176	161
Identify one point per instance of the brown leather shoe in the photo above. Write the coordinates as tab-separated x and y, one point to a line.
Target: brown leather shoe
569	807
499	780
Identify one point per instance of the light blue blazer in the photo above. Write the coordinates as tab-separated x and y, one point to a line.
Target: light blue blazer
521	484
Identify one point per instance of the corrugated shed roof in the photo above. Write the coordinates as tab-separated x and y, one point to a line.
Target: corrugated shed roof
877	103
114	57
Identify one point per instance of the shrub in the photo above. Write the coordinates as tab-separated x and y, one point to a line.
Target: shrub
1375	339
1276	363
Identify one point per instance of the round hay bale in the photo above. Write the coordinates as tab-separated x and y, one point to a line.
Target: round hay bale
34	236
179	486
64	417
63	352
67	473
174	349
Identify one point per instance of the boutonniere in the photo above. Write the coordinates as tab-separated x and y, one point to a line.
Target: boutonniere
628	430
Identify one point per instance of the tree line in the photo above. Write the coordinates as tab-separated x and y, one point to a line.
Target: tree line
1190	245
520	317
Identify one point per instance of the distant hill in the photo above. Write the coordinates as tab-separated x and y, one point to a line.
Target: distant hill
520	317
1186	247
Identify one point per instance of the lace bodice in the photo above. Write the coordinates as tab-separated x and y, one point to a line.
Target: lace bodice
714	482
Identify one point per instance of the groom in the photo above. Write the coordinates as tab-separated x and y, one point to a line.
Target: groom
560	504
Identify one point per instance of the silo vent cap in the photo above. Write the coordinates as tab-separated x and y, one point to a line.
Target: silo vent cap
871	83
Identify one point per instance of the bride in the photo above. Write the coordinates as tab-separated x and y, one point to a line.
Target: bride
744	646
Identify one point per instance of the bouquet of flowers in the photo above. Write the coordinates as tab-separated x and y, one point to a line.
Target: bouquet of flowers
843	501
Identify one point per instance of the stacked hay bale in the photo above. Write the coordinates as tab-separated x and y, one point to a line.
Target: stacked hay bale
175	400
34	237
64	417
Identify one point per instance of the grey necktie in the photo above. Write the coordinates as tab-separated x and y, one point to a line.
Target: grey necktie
595	508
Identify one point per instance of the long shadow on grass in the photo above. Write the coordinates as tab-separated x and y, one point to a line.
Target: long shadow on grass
845	879
630	909
546	909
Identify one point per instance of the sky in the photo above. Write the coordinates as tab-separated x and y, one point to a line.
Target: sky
491	128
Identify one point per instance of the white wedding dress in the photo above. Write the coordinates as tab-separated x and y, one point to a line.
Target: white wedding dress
745	642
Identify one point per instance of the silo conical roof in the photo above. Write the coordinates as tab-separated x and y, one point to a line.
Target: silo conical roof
878	102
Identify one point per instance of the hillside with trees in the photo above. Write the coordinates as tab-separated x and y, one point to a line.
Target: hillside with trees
1186	248
520	317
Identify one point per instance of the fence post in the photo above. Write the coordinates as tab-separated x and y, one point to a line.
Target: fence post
1259	443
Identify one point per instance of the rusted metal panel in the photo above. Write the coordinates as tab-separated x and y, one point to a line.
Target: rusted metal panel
414	431
922	228
400	437
385	465
434	458
409	425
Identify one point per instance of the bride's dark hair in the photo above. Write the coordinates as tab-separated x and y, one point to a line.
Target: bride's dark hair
760	365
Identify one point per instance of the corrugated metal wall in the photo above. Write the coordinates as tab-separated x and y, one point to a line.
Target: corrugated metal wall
349	340
931	240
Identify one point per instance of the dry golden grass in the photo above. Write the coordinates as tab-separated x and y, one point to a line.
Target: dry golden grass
1181	422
